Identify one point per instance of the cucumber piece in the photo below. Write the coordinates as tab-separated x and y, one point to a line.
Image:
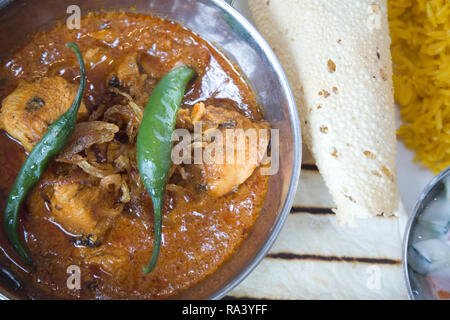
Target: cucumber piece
435	251
436	216
446	182
425	231
418	263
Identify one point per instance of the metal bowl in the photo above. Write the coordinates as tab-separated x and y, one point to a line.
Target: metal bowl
417	290
219	23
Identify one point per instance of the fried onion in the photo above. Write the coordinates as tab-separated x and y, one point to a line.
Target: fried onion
85	135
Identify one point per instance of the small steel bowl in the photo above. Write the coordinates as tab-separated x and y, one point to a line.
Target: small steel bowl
224	27
415	285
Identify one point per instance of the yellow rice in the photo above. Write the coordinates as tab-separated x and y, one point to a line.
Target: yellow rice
420	32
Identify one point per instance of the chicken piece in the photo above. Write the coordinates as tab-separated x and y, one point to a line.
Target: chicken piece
77	203
82	209
33	106
128	71
112	258
233	147
127	74
94	57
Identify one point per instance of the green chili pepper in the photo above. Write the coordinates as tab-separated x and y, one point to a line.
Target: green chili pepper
36	163
154	143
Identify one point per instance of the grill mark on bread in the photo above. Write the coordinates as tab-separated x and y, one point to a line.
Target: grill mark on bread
324	211
309	167
312	210
315	257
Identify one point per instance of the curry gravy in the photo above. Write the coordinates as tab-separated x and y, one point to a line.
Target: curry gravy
200	231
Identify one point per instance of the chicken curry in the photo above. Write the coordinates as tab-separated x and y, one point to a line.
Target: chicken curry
90	208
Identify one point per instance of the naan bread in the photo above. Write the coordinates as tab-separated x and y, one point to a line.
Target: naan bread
337	58
316	258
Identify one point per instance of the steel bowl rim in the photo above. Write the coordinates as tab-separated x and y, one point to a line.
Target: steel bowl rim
411	219
295	174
